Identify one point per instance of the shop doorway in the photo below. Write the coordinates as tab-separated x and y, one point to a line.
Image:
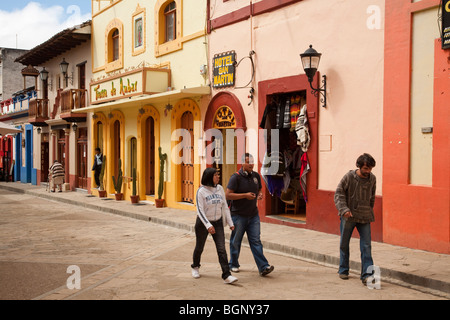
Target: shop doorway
150	156
82	158
61	154
286	197
45	149
116	148
221	156
187	165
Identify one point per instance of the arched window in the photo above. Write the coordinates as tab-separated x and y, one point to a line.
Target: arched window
115	45
168	26
170	15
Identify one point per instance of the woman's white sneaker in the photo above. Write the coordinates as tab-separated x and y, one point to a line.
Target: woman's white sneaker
195	273
230	280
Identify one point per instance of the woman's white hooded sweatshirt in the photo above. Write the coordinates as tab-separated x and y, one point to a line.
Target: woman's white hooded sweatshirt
212	205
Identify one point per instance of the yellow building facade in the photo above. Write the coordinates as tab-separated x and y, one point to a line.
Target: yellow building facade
148	61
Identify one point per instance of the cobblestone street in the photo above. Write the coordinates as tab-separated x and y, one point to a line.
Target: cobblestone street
123	258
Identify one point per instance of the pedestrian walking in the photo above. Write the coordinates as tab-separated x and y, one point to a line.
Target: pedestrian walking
354	200
211	209
57	172
97	167
244	189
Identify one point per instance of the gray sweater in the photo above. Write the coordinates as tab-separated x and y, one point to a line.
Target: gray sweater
357	195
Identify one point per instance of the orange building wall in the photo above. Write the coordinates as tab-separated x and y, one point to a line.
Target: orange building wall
413	216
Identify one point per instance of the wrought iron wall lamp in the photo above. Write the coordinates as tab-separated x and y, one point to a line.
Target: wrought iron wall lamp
44	78
310	61
64	66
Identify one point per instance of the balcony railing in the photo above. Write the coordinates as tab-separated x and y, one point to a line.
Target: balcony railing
72	99
38	111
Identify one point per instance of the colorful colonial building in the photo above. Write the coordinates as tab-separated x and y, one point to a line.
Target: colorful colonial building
53	131
148	81
386	67
264	40
416	118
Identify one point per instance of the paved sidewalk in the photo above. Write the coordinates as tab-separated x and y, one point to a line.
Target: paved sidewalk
415	268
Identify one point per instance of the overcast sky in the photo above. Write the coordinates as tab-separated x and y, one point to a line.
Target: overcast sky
26	24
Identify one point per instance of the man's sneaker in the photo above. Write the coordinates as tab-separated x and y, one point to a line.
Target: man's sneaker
235	269
230	280
267	270
195	273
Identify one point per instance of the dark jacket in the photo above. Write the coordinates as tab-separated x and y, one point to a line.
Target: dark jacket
97	166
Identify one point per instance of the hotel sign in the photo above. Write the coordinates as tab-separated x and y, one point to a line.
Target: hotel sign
446	24
224	69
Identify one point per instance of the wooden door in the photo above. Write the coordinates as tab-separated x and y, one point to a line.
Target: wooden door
116	144
150	156
61	156
187	165
45	148
82	159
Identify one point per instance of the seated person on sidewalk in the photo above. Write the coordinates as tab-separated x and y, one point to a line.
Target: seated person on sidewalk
57	172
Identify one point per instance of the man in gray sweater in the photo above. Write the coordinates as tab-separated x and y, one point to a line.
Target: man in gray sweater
354	199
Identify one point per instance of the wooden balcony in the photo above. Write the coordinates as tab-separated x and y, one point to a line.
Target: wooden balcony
72	99
38	112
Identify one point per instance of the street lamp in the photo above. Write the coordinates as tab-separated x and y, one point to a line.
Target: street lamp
310	61
44	75
64	66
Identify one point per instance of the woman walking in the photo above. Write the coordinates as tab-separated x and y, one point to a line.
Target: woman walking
211	206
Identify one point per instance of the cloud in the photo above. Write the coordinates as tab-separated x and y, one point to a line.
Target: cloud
34	24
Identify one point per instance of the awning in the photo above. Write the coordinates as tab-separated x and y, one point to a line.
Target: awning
142	100
8	129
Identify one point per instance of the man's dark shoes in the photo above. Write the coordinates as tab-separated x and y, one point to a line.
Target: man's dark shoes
343	276
266	271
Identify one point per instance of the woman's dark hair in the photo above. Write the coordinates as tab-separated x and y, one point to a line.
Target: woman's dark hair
207	177
365	159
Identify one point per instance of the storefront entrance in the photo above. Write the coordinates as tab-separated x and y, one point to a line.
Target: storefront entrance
287	199
82	159
224	153
187	165
291	197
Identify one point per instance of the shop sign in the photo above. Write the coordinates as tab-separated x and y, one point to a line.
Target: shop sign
224	69
446	24
224	118
117	88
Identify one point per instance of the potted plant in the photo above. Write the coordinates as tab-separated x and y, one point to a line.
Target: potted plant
162	158
134	197
118	183
101	187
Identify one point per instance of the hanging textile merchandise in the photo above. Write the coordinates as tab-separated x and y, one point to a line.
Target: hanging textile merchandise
286	166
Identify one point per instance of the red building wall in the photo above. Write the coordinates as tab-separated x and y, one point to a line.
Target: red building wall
413	216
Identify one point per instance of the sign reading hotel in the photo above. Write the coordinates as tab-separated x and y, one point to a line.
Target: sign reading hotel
129	84
224	70
446	24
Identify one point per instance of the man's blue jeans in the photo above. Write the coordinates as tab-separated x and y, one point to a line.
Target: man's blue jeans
364	244
252	226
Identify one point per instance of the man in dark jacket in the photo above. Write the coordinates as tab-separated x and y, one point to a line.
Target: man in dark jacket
97	167
354	199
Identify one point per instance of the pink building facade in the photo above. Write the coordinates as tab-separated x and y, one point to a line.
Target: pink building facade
254	65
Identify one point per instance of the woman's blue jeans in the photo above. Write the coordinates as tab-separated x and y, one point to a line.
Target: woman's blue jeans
365	245
252	226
